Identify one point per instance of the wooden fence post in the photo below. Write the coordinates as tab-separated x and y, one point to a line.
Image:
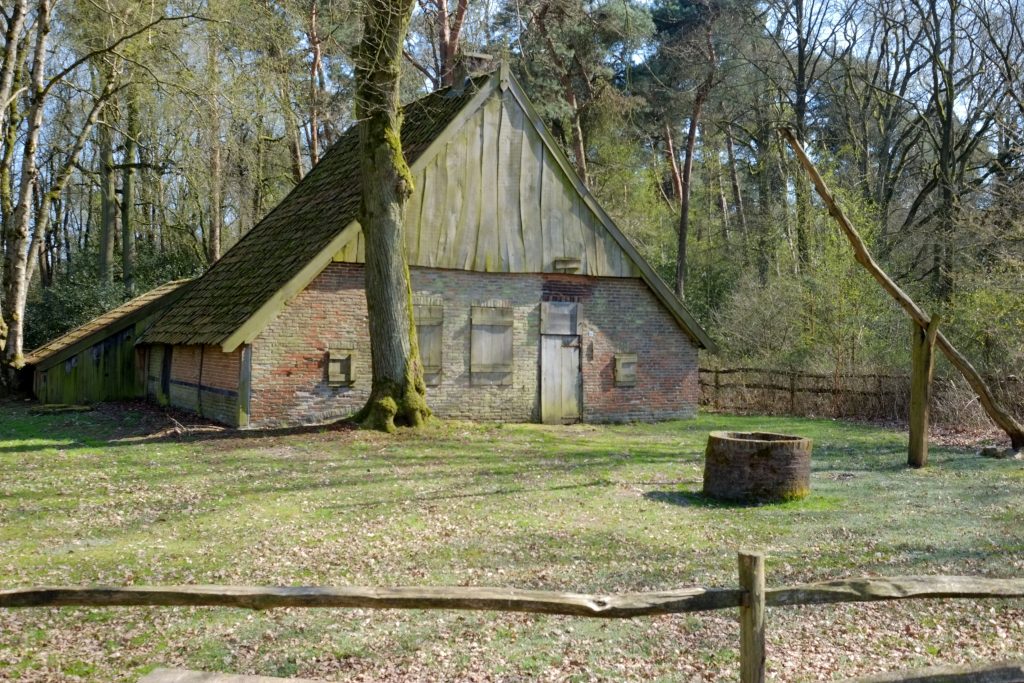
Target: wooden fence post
792	392
752	654
881	395
718	387
922	362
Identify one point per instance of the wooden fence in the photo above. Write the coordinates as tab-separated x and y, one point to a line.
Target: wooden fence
869	396
751	598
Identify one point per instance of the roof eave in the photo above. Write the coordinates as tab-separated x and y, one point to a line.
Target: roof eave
102	333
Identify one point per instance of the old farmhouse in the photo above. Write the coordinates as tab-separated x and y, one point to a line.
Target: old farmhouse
530	304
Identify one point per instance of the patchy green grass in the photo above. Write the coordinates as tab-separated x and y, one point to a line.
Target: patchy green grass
104	498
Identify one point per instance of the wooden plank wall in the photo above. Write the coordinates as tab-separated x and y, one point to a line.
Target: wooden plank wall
496	201
109	370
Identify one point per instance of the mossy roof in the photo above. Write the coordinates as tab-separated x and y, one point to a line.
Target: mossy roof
300	227
104	325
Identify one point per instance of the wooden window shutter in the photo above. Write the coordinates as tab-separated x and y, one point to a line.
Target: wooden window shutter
340	367
429	332
490	358
625	369
559	317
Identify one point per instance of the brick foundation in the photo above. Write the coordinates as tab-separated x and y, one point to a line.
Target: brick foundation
289	378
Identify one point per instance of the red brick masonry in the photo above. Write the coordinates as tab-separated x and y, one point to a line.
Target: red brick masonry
617	315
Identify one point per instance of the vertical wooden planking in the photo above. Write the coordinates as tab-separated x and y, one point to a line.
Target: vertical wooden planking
488	255
601	243
572	206
922	364
552	218
590	238
566	378
501	226
432	212
455	157
752	613
530	189
510	157
244	385
414	218
469	222
550	408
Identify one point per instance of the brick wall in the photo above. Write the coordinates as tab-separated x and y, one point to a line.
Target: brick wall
617	315
204	380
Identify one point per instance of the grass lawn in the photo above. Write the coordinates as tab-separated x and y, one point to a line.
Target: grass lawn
108	498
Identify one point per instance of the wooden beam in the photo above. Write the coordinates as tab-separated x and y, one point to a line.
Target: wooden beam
896	588
623	606
999	415
922	364
752	613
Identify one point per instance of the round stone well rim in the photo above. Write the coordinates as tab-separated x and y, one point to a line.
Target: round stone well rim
758	437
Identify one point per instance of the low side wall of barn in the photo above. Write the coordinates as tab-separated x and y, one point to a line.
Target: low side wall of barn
200	379
112	369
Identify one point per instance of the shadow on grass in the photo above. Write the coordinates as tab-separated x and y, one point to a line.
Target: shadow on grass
479	494
692	499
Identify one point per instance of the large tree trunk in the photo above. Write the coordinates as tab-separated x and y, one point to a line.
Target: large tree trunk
128	196
734	181
108	196
213	240
449	32
801	87
313	36
10	64
397	394
17	257
673	164
216	202
703	90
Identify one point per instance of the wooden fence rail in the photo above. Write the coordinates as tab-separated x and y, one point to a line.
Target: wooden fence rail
751	598
842	394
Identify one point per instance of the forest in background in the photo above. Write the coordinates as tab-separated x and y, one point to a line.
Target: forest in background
140	140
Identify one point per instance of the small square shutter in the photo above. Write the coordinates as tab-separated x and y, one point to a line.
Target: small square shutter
559	317
340	367
625	369
490	358
429	330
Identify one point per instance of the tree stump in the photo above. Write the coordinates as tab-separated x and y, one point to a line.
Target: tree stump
757	467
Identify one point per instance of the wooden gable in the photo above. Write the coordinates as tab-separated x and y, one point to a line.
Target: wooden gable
494	193
495	199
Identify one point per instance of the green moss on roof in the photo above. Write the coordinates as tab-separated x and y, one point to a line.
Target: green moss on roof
294	232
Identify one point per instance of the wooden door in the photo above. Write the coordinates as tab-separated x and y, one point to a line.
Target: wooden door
561	381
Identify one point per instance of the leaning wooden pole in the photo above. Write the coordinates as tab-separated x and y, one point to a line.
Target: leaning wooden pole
922	363
752	650
999	415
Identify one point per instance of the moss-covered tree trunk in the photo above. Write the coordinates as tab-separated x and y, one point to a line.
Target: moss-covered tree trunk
398	392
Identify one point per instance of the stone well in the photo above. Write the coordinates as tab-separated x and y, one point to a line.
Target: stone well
757	467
